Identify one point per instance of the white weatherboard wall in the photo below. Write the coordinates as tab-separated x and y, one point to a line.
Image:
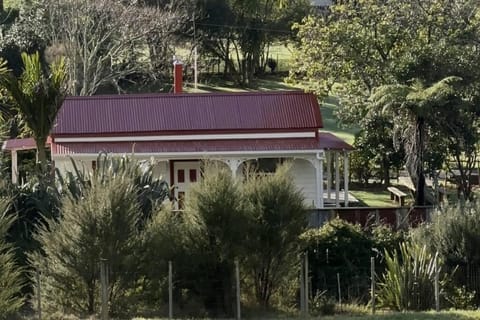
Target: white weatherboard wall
303	174
162	169
65	164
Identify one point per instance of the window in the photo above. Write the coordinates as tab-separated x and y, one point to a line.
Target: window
193	175
181	176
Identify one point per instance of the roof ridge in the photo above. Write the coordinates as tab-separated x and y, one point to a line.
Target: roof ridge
185	95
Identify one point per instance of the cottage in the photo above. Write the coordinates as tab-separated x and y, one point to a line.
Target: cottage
180	130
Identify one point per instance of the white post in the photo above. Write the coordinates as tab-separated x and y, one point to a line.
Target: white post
337	180
233	164
170	290
14	167
319	182
345	176
237	280
329	175
320	178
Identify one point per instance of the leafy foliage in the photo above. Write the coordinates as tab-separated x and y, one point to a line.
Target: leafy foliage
220	208
11	281
239	33
277	220
454	233
363	45
101	218
37	97
343	248
414	109
408	281
101	225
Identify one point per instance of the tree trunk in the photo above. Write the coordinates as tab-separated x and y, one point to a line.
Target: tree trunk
386	171
1	6
41	154
420	187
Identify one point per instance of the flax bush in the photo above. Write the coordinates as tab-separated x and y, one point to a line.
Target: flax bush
408	281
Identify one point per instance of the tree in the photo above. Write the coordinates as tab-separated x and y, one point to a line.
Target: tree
375	149
10	273
104	42
102	225
278	219
218	205
37	97
361	45
239	32
413	110
103	215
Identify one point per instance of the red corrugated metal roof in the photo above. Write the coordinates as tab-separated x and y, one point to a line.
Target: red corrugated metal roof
326	141
21	144
157	113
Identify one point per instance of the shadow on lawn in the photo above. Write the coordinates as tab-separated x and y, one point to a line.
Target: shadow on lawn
414	316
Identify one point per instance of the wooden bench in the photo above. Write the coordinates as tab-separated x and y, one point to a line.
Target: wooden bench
397	195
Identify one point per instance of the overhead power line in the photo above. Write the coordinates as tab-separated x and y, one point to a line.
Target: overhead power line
241	27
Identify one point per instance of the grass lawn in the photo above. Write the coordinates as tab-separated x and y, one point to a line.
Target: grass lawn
431	315
377	196
458	315
374	198
330	121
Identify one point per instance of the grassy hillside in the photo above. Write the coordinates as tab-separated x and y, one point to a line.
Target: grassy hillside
330	121
12	3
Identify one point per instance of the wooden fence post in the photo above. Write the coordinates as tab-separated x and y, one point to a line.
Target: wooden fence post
372	278
237	287
170	290
104	288
39	294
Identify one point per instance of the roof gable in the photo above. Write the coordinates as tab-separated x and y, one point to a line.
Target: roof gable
176	113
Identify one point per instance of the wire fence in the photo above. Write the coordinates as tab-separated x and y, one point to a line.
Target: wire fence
173	292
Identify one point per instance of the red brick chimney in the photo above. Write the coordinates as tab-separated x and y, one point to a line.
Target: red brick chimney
177	76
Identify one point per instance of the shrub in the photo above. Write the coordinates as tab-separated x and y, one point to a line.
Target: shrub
10	273
322	304
100	225
455	233
218	205
460	298
338	247
277	220
407	283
